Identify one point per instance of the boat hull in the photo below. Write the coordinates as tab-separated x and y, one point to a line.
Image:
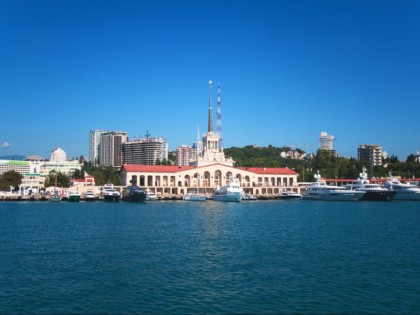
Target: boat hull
403	195
336	196
195	197
135	197
54	199
74	198
112	198
231	197
378	196
289	197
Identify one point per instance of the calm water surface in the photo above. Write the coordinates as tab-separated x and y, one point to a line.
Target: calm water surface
210	257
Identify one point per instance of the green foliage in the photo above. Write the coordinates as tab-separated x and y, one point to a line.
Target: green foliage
327	164
10	178
102	175
63	180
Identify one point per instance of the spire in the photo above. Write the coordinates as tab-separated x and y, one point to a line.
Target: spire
210	129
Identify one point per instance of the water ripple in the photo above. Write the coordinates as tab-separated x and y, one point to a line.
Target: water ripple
180	257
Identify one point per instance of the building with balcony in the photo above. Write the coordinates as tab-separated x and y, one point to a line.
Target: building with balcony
110	148
371	153
145	151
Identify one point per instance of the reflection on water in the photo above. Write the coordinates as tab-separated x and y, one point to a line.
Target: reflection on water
210	257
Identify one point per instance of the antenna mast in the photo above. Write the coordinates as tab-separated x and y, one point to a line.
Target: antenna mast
219	117
210	121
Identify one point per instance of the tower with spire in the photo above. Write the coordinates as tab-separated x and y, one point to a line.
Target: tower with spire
212	142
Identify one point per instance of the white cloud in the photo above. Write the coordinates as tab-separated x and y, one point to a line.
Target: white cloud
5	145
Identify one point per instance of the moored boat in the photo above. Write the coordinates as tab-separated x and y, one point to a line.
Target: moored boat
89	195
319	190
73	196
373	192
109	193
150	195
54	198
404	191
288	194
134	194
231	192
195	196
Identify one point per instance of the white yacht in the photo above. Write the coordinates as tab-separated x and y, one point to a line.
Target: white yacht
374	192
150	195
230	192
319	190
403	191
195	196
109	193
89	195
288	194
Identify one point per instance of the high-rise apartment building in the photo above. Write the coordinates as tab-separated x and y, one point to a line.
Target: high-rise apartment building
110	148
94	140
371	153
185	155
326	143
145	151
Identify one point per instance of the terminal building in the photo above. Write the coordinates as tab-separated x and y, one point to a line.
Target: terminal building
210	168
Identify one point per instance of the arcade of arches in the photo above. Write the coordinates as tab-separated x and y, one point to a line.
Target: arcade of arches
206	179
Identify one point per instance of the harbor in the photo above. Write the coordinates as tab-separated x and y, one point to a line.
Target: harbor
209	257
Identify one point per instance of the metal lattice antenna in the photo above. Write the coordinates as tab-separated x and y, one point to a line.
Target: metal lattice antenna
219	116
210	124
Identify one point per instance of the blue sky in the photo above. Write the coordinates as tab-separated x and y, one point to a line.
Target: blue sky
288	71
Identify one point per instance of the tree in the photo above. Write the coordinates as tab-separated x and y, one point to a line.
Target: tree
63	180
10	179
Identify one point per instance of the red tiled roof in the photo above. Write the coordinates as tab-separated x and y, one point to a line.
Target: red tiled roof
155	168
269	170
174	169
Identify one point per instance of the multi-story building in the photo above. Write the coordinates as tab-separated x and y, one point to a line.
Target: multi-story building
110	147
185	155
145	151
371	153
34	172
94	140
326	143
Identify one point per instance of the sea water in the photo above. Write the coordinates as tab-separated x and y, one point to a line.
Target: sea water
210	257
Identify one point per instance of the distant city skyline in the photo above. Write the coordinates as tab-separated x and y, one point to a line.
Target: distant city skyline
288	70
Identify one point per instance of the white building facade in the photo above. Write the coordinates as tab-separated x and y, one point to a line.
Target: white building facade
178	180
210	169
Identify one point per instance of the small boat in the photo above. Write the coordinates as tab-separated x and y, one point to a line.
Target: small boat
248	197
288	194
231	192
134	194
109	193
319	190
73	196
374	192
403	191
195	196
150	195
55	197
89	195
